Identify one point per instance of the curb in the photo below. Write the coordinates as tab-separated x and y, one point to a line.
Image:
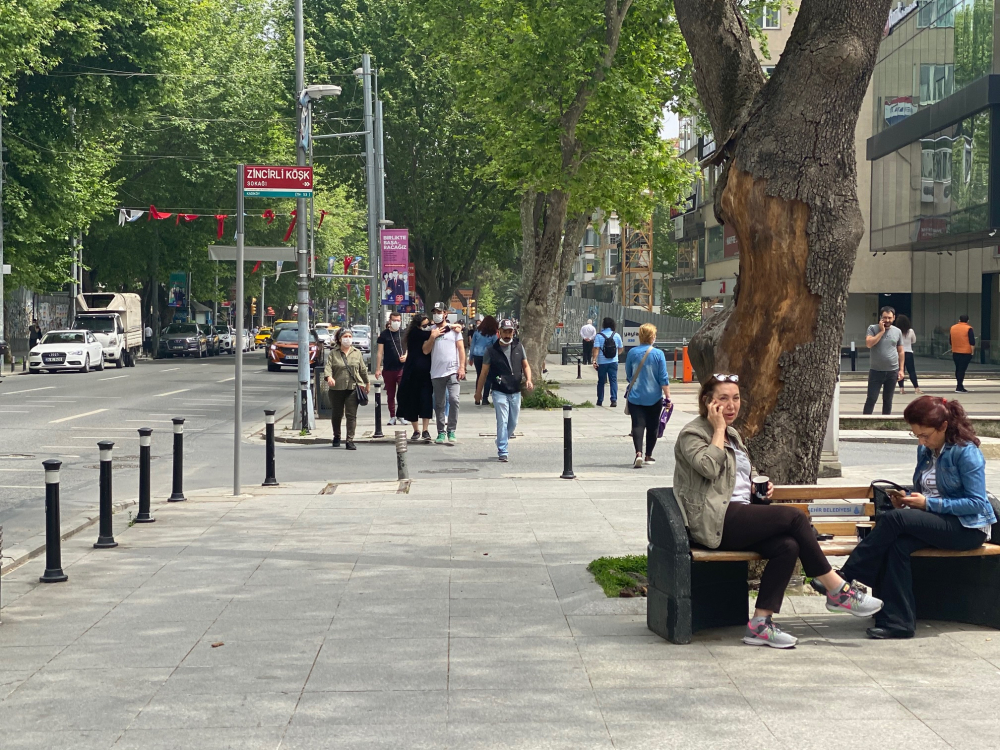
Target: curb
19	555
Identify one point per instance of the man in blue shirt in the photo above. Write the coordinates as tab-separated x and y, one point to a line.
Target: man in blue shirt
607	347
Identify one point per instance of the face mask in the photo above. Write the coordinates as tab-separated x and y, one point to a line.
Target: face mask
506	342
394	325
346	341
438	317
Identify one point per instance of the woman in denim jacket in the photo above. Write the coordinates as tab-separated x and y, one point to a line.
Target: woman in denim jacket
947	509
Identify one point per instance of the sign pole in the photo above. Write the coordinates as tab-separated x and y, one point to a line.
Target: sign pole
238	381
303	404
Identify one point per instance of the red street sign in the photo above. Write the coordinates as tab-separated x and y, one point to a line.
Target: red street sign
225	304
277	182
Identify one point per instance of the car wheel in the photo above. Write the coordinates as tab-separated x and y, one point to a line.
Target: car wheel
120	362
100	367
271	367
86	365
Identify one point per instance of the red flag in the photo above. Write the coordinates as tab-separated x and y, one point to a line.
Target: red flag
154	214
368	293
347	264
322	215
291	226
269	215
221	218
186	217
256	267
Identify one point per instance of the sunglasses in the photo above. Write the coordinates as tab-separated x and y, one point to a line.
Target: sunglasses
727	378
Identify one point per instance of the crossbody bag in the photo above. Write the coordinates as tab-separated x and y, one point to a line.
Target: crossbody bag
634	376
359	390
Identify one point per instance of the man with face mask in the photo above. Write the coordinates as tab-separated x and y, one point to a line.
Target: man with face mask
389	360
504	365
447	352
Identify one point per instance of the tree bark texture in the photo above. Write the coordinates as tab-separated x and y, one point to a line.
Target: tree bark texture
789	191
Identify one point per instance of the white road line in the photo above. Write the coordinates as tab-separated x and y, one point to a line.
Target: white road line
170	369
151	421
116	377
100	437
171	393
62	447
226	380
77	416
14	411
29	390
31	469
19	487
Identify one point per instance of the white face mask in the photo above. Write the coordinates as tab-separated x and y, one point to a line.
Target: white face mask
438	317
346	341
506	342
394	325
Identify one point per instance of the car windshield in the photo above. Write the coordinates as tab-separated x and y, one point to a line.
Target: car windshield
180	328
63	337
222	329
292	334
361	331
97	325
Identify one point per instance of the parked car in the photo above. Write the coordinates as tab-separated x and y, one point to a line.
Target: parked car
325	334
214	342
363	341
227	338
183	340
260	339
66	350
283	351
248	342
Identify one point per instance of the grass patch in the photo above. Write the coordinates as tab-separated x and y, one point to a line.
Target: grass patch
612	573
542	398
586	405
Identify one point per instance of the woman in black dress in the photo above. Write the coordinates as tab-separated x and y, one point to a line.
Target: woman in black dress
415	399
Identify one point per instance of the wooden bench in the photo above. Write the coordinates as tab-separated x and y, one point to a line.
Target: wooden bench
694	588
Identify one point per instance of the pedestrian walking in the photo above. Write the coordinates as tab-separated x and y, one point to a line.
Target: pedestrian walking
587	334
416	393
34	334
884	341
345	371
607	347
909	339
447	352
389	360
963	346
505	364
484	337
147	340
648	390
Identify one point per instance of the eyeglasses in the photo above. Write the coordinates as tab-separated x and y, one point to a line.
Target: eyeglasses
727	378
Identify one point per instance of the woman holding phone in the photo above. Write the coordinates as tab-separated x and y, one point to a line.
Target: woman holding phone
712	484
947	509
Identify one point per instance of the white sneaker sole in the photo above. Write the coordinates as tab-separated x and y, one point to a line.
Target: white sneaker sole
637	464
759	642
836	609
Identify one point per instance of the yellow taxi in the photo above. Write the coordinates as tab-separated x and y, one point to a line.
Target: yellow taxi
262	336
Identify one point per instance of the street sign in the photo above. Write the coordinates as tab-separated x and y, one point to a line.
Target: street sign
278	182
6	268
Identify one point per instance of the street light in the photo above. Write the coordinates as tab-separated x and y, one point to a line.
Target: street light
320	90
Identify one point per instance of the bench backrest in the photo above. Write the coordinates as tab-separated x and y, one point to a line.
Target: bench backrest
799	493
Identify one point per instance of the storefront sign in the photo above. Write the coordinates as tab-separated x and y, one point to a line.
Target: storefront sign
718	287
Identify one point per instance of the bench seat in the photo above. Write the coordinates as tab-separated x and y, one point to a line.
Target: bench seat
838	548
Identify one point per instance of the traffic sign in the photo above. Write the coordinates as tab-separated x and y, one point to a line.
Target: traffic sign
277	182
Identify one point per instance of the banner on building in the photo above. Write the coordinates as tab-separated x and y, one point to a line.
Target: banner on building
395	266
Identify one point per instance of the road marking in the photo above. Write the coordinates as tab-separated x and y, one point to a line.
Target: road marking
116	377
77	416
31	469
170	369
99	437
151	421
14	411
29	390
226	380
171	393
19	487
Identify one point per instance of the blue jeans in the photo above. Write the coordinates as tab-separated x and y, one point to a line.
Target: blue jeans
507	407
605	373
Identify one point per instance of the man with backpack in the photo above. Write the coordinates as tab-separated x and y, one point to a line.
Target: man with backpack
607	347
504	364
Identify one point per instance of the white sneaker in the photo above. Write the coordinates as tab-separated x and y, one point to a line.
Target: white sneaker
637	464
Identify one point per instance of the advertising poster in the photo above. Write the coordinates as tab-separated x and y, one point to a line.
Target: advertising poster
412	276
395	266
177	296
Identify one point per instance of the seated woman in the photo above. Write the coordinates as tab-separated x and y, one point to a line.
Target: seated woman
712	485
948	510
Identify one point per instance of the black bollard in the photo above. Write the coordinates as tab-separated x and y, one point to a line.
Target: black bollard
579	365
145	447
177	495
567	443
269	480
401	471
378	411
106	531
854	358
53	542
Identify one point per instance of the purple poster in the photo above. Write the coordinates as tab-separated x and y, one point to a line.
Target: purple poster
395	266
342	309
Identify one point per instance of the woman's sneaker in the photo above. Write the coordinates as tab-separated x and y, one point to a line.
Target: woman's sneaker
761	631
854	599
415	436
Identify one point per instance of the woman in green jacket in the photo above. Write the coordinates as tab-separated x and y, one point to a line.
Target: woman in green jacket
345	370
712	484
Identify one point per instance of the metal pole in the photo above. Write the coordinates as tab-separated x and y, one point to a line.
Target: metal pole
371	191
1	228
177	495
53	539
106	533
304	111
145	447
215	293
238	383
72	286
269	480
378	411
401	471
567	444
263	288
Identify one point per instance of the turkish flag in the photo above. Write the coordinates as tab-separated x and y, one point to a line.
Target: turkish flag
347	263
291	226
269	215
186	217
368	293
221	218
256	267
154	214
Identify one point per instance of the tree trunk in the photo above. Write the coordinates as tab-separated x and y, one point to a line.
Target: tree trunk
789	191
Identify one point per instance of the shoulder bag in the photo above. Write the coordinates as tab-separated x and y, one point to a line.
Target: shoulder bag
634	376
359	390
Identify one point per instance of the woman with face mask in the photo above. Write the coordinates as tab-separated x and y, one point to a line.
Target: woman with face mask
389	360
345	370
416	394
483	338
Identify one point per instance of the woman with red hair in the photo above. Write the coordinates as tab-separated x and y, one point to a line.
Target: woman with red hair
947	509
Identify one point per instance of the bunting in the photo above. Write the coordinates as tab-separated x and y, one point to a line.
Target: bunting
291	226
269	215
129	215
322	215
221	218
256	267
154	214
186	217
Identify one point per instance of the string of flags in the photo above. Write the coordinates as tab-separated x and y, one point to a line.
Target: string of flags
131	215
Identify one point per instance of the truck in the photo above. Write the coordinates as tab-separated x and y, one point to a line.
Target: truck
115	319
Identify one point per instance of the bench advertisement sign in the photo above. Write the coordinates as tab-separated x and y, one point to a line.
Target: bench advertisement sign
838	509
277	182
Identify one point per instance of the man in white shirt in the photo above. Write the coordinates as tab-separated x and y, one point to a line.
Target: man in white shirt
587	335
447	352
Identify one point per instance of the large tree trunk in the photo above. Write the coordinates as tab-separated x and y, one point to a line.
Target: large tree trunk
789	191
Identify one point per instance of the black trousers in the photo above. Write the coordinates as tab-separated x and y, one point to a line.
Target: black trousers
588	351
911	369
645	419
882	560
344	401
961	365
880	380
477	360
782	535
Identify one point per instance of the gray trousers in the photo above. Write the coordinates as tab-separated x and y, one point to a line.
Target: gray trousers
446	389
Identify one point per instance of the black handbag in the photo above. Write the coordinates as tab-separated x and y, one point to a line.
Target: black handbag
880	494
359	390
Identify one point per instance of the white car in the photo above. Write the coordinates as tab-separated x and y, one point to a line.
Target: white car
227	338
66	350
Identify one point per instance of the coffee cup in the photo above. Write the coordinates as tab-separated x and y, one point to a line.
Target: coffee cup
864	529
760	490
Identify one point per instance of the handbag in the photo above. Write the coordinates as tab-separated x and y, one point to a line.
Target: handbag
668	410
634	376
880	495
359	390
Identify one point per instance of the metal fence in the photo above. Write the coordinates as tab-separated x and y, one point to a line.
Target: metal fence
577	310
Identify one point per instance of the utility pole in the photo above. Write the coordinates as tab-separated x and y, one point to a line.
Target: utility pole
2	176
303	105
375	282
263	286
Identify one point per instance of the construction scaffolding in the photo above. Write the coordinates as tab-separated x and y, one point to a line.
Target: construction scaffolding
637	265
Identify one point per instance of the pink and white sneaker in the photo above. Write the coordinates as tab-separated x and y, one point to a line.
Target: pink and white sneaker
761	631
854	599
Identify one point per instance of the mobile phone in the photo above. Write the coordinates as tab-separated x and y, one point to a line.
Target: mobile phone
897	494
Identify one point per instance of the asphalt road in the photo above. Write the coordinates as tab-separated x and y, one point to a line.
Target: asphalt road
64	415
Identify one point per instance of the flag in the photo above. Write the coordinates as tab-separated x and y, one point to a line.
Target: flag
186	217
127	214
278	269
256	267
368	293
347	263
291	226
329	265
269	215
154	214
221	218
322	215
